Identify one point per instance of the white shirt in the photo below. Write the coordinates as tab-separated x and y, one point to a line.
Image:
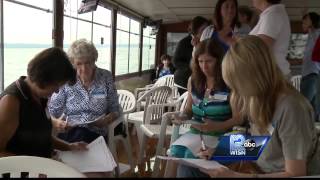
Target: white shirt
274	22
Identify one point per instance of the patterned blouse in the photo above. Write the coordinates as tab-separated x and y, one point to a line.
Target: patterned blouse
78	104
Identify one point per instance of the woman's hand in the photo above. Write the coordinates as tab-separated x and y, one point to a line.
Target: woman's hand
104	121
221	172
207	154
60	125
207	126
210	125
78	146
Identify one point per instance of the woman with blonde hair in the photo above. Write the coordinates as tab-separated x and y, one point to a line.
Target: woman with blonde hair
261	92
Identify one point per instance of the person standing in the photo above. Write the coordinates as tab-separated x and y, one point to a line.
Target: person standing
274	29
310	82
183	54
224	20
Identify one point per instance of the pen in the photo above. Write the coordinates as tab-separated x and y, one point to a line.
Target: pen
203	146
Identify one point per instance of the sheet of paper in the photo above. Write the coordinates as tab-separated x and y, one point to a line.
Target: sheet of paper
79	121
97	158
193	142
197	163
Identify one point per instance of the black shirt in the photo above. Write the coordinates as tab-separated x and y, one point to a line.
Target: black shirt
181	61
33	134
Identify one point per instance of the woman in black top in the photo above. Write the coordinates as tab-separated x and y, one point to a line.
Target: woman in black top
24	124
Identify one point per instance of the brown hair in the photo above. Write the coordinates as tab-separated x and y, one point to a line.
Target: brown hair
196	23
246	11
165	56
217	17
214	49
51	66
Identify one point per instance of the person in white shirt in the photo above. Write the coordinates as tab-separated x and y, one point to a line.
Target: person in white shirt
274	29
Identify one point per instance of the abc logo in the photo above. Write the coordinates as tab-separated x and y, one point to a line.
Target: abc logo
249	144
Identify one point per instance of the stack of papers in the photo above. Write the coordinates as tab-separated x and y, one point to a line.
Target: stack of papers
80	121
193	142
97	158
196	163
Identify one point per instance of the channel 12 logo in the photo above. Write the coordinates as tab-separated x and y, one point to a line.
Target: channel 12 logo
240	147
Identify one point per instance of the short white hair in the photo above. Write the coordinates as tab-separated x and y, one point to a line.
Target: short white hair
82	48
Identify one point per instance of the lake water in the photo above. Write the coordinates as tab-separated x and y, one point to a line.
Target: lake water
16	61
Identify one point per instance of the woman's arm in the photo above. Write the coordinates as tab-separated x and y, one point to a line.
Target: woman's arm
65	146
188	108
210	125
60	144
9	121
106	120
57	103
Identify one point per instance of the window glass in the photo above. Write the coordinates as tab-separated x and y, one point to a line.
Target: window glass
102	16
101	40
30	34
39	3
134	26
134	53
122	53
122	22
149	43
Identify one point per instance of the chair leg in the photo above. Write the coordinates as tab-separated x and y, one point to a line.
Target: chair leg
141	157
112	147
156	168
141	149
139	133
171	169
127	145
159	150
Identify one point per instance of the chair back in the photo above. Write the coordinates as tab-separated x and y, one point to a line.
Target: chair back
183	99
154	114
167	80
36	167
295	81
126	100
157	95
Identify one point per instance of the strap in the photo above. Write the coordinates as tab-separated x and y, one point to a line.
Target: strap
20	89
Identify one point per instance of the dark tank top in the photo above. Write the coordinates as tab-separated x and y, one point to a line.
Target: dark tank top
33	134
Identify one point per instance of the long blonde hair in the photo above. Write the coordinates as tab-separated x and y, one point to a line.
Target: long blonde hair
251	72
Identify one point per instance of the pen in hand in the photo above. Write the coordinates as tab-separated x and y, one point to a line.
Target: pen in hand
203	146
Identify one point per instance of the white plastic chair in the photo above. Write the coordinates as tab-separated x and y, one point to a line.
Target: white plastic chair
157	95
167	80
35	167
165	129
127	102
296	81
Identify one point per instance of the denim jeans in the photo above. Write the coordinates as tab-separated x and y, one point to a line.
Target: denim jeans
310	88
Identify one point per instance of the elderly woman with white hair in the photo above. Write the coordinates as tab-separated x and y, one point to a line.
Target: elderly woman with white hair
93	96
